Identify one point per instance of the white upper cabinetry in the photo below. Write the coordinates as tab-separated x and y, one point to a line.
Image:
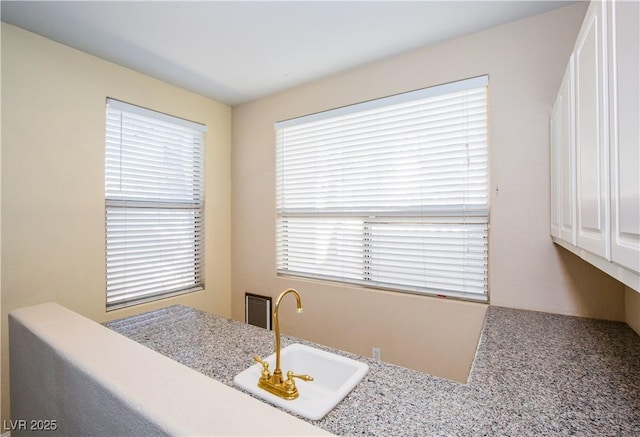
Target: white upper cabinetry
563	161
554	170
624	131
592	155
595	143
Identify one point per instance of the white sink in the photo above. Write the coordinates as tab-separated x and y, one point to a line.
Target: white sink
334	377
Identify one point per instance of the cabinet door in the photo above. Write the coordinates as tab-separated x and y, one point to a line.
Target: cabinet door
554	171
624	111
567	157
592	158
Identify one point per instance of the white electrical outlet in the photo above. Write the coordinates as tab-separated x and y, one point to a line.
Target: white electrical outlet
375	353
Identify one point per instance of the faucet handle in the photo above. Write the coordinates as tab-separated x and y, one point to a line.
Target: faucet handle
265	367
290	385
291	375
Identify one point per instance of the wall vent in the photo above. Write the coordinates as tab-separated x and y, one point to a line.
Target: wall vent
257	310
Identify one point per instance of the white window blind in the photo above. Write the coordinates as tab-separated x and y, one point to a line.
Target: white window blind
391	193
154	205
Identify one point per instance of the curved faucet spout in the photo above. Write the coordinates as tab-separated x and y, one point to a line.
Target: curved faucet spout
277	373
274	383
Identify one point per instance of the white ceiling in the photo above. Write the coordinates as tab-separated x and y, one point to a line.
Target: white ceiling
237	51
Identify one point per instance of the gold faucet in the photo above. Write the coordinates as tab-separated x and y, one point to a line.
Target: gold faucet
274	384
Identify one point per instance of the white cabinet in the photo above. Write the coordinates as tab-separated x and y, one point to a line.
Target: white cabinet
592	155
624	131
562	158
554	172
567	161
595	144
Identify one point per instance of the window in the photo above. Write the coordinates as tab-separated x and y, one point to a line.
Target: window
391	193
154	205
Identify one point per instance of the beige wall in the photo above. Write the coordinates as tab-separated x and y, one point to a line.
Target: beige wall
53	130
525	61
632	309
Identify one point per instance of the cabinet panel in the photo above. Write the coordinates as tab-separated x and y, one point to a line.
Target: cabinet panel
562	161
592	168
624	108
554	170
567	156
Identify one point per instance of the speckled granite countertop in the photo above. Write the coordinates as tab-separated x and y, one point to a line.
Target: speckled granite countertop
534	374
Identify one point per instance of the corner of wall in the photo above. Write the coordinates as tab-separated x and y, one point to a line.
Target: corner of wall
632	309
